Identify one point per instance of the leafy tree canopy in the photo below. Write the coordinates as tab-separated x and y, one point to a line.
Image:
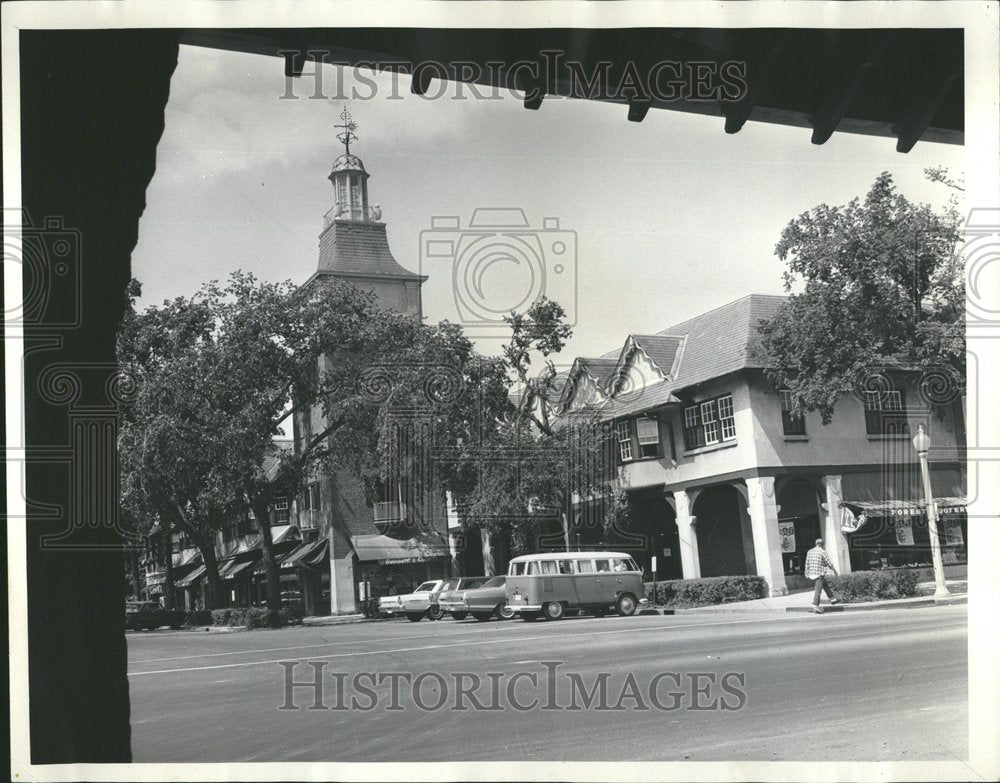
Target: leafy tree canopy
883	289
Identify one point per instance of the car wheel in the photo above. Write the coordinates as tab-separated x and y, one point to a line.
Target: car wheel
435	612
482	616
626	604
459	615
504	612
413	617
530	617
553	610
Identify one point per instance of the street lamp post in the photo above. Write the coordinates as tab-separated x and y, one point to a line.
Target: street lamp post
922	443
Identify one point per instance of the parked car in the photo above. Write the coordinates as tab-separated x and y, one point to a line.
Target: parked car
452	596
548	585
483	602
147	614
422	602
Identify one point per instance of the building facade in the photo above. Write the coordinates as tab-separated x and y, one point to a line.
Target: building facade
724	479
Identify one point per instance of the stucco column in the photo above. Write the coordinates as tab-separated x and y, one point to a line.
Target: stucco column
763	508
341	579
690	565
836	541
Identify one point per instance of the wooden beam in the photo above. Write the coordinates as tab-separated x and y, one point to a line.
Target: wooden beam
911	129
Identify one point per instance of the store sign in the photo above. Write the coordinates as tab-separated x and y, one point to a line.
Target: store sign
787	532
402	560
904	531
953	531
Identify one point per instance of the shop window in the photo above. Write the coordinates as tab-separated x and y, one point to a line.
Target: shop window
791	423
709	422
648	435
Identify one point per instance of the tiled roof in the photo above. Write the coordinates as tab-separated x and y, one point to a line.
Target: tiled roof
661	349
355	249
708	346
600	368
720	341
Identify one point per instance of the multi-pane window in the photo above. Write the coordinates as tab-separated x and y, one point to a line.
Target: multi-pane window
281	510
883	412
623	433
792	423
709	422
311	498
648	434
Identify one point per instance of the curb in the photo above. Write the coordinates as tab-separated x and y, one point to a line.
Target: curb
652	611
903	604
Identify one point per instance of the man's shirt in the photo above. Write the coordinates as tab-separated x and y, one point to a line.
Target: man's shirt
818	563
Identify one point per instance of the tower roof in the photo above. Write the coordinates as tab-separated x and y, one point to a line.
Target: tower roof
348	162
354	249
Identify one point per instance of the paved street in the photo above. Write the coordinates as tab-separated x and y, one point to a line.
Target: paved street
867	686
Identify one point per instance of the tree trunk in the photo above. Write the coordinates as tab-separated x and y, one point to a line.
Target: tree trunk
263	514
168	568
216	593
133	558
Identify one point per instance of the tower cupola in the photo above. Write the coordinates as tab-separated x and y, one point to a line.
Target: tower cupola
350	181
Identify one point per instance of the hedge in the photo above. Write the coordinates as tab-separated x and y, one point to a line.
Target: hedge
706	592
879	585
254	617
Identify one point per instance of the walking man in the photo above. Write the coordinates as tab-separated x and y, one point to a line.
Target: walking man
818	568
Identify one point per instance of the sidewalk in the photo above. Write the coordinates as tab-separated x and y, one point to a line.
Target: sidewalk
801	601
337	619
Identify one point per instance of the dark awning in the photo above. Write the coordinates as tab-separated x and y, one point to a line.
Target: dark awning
190	578
890	508
309	554
387	550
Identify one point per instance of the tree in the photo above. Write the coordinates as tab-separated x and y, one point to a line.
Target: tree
524	472
883	290
219	374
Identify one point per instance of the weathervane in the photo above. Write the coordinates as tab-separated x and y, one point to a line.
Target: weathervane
349	127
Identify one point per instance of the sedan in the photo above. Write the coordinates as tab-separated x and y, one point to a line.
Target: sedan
483	602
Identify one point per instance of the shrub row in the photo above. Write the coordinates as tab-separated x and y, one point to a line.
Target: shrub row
706	592
879	585
253	617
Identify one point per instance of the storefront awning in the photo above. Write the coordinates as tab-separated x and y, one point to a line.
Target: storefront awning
889	508
238	568
392	550
191	578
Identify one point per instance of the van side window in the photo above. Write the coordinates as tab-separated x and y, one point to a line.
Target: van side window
532	568
517	569
624	564
632	565
565	566
603	565
549	567
585	566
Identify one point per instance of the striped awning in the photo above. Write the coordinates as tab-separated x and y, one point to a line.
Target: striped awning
191	578
902	508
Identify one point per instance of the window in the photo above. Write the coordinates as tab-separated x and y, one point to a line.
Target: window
549	567
791	423
648	435
311	499
281	510
623	432
709	422
585	566
884	413
603	566
532	568
566	567
517	569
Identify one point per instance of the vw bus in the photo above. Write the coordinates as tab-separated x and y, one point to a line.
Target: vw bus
547	585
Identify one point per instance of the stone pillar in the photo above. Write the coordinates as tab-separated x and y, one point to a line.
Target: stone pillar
762	505
835	541
690	564
489	562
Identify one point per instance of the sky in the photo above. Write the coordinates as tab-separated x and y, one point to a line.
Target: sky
670	217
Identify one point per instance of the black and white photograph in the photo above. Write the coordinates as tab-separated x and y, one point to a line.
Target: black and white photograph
502	391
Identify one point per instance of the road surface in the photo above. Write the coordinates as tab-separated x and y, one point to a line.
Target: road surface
859	686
